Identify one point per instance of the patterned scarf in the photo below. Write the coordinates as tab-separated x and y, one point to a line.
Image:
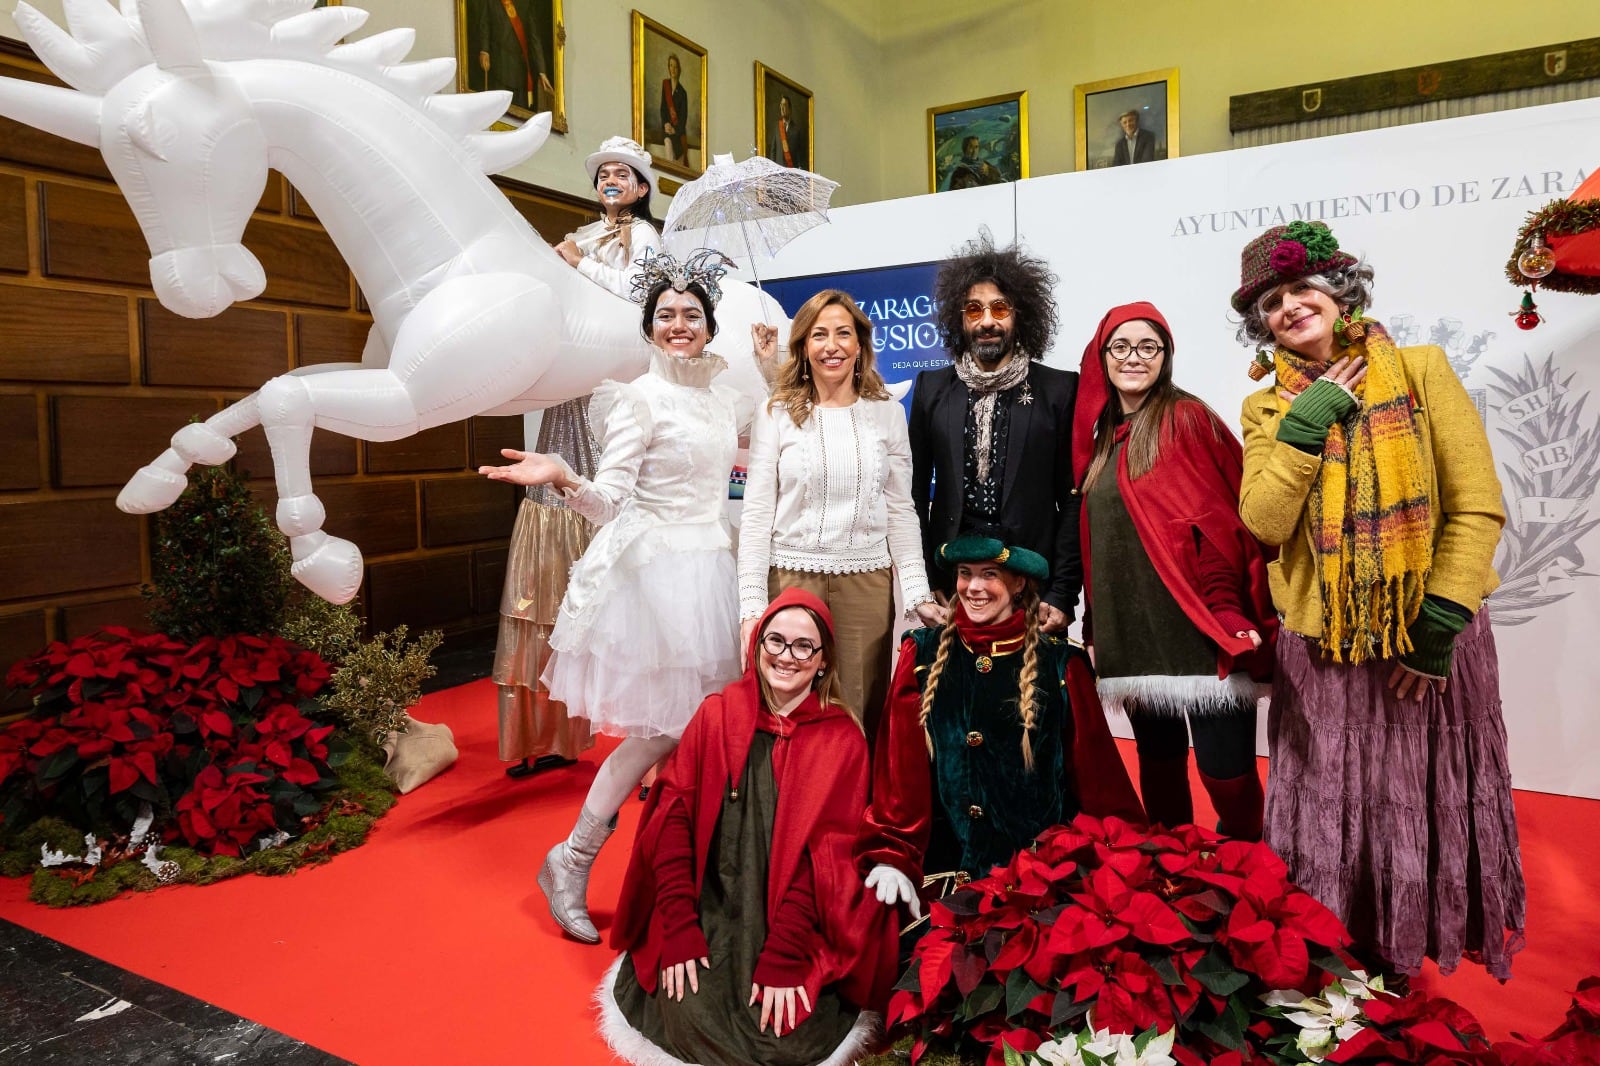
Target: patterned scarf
988	385
1368	509
619	230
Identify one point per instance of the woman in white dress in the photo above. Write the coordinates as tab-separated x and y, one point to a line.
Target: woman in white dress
649	623
827	506
549	536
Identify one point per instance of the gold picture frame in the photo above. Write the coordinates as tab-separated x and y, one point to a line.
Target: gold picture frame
978	142
523	34
682	151
772	89
1098	108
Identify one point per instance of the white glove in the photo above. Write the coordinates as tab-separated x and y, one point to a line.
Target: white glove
893	887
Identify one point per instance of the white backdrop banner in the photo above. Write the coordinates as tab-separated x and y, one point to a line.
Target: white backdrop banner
1435	209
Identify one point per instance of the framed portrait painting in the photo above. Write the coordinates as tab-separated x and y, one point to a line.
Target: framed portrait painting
783	119
516	45
978	142
1128	120
669	98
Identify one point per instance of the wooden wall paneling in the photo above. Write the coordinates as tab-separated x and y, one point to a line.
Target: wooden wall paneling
490	433
272	195
13	223
332	455
380	517
91	234
329	338
19	442
431	591
79	619
21	636
552	221
60	335
303	265
466	510
63	545
298	206
440	448
103	440
488	579
238	349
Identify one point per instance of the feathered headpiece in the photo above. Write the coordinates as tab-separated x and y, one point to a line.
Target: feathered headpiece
704	267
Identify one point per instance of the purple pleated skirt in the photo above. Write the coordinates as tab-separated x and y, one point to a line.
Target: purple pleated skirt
1396	814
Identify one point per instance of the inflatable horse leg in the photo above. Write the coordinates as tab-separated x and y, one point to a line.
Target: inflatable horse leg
155	487
471	344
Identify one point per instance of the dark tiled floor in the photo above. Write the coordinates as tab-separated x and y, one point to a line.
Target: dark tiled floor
462	658
59	1006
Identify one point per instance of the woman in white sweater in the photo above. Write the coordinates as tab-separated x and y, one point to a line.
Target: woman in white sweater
827	507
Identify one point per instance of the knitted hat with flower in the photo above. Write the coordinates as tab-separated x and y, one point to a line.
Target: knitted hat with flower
1285	253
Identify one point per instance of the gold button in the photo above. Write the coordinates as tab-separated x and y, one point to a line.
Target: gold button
974	812
974	739
985	664
962	877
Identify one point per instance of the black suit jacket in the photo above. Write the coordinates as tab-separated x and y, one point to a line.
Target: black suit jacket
1144	149
1038	508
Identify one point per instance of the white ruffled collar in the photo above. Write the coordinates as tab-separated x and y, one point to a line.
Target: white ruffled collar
695	373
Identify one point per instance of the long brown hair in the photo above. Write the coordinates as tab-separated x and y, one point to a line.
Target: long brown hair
1027	690
1148	424
795	389
825	684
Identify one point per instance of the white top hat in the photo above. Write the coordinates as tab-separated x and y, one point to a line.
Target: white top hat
620	150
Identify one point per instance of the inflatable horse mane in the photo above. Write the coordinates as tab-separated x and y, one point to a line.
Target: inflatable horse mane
192	101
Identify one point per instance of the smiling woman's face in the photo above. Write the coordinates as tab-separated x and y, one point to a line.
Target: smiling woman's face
679	325
1301	318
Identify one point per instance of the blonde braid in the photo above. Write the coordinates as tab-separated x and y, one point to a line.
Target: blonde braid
1027	702
930	687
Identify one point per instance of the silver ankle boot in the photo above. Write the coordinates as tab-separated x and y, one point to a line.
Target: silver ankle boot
564	877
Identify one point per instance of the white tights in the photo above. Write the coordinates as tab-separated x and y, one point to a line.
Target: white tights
622	771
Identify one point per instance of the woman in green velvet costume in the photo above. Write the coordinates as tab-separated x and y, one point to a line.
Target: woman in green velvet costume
993	733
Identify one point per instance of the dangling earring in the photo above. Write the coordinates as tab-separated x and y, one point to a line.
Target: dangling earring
805	369
1348	329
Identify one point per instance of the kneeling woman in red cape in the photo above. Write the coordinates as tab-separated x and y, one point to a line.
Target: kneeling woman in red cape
993	734
746	933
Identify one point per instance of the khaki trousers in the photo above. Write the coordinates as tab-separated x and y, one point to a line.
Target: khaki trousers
863	622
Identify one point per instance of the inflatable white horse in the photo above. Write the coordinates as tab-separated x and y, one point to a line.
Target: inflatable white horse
191	101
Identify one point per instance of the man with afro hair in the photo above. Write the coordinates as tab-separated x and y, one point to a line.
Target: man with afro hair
991	434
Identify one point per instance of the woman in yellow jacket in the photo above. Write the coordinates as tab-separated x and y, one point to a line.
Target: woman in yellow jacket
1368	468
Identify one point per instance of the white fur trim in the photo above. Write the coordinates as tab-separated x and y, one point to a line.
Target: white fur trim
630	1045
1168	694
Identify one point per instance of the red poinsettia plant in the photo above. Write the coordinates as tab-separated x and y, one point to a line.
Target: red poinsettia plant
1106	925
220	738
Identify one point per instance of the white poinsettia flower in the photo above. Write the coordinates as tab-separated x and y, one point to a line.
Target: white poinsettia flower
1062	1052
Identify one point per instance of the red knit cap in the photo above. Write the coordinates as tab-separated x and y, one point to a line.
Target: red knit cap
1284	253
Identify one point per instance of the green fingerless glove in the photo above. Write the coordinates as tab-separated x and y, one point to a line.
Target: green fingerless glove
1433	636
1305	425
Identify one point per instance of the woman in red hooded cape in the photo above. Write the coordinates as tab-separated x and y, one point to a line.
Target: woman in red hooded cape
1179	611
746	934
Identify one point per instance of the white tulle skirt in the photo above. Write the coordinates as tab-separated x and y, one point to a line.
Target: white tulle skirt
661	637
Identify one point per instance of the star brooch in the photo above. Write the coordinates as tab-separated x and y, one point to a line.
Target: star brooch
1026	396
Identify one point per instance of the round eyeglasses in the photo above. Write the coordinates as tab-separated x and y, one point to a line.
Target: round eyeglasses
1121	350
1000	310
800	650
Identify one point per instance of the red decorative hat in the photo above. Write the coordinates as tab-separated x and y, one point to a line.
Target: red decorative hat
1284	253
1569	231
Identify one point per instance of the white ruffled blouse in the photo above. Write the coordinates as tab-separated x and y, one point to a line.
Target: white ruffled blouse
670	440
830	496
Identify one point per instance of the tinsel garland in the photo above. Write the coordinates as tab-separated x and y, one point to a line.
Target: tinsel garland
1559	218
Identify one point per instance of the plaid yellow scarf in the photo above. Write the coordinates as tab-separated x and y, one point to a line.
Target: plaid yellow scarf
1368	509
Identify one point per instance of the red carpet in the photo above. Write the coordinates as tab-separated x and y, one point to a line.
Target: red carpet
431	944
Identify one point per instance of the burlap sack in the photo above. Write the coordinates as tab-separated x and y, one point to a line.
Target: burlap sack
419	754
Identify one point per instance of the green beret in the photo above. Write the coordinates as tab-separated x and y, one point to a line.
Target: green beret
976	549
